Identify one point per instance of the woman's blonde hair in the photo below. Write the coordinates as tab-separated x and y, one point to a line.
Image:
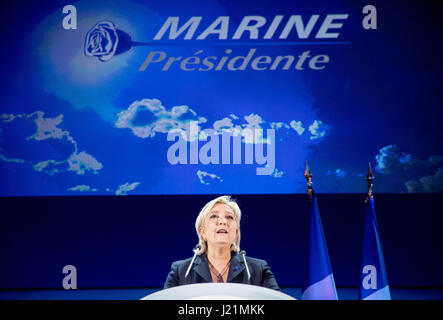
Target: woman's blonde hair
204	212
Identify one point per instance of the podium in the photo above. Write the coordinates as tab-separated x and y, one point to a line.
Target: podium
218	291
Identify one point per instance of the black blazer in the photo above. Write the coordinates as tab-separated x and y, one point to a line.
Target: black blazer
261	274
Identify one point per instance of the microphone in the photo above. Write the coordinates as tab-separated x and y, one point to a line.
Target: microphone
196	249
243	253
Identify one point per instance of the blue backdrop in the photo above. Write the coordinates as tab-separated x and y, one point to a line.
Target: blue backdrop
88	110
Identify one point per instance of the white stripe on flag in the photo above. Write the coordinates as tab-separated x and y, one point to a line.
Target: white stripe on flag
321	290
382	294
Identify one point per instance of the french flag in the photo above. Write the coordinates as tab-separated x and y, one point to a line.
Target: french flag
320	283
374	279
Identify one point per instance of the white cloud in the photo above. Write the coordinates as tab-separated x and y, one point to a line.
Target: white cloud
317	129
82	188
387	159
432	183
297	126
82	162
278	173
177	111
49	166
253	131
203	174
339	173
202	120
77	162
407	161
225	123
16	160
48	128
125	188
11	117
164	120
253	121
179	119
279	125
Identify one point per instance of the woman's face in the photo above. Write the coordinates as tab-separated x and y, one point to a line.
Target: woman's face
220	226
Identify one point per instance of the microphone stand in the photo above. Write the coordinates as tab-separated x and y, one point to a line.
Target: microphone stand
197	247
243	253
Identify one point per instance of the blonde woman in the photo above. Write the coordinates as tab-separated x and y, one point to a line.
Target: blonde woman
218	257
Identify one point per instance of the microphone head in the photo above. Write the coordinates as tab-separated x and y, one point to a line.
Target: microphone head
197	247
243	252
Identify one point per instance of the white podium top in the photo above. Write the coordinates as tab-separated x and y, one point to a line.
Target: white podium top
218	291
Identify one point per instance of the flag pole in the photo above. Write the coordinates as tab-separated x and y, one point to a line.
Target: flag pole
320	284
373	278
369	179
308	177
